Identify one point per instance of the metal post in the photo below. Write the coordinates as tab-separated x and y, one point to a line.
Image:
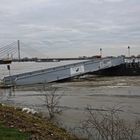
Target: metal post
128	51
101	52
11	89
8	67
19	50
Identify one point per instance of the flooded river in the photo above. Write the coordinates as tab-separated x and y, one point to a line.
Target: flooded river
99	92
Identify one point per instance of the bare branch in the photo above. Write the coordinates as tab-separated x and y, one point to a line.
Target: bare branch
107	125
51	100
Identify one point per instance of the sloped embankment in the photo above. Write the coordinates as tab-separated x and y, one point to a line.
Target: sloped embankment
37	127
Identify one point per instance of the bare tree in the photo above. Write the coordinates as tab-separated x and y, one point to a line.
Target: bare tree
52	100
108	125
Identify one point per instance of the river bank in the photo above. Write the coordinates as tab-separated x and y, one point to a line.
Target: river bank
35	125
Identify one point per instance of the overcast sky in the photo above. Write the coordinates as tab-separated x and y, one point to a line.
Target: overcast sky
70	28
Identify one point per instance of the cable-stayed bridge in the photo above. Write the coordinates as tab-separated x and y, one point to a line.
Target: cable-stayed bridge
19	50
13	50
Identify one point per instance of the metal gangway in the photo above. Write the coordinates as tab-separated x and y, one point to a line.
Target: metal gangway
62	72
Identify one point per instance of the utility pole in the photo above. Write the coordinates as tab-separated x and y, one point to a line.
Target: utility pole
18	42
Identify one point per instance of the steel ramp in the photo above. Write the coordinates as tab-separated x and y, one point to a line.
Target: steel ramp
62	72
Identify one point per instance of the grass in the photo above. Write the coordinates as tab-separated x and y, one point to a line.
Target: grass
11	134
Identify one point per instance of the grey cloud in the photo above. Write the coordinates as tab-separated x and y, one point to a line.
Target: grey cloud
72	26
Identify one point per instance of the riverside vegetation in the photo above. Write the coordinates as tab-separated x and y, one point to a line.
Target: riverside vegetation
30	126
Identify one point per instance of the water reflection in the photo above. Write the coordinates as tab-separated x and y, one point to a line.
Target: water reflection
6	95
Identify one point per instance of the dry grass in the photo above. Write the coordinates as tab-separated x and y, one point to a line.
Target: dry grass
38	127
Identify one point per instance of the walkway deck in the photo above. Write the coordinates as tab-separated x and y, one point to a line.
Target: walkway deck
62	72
